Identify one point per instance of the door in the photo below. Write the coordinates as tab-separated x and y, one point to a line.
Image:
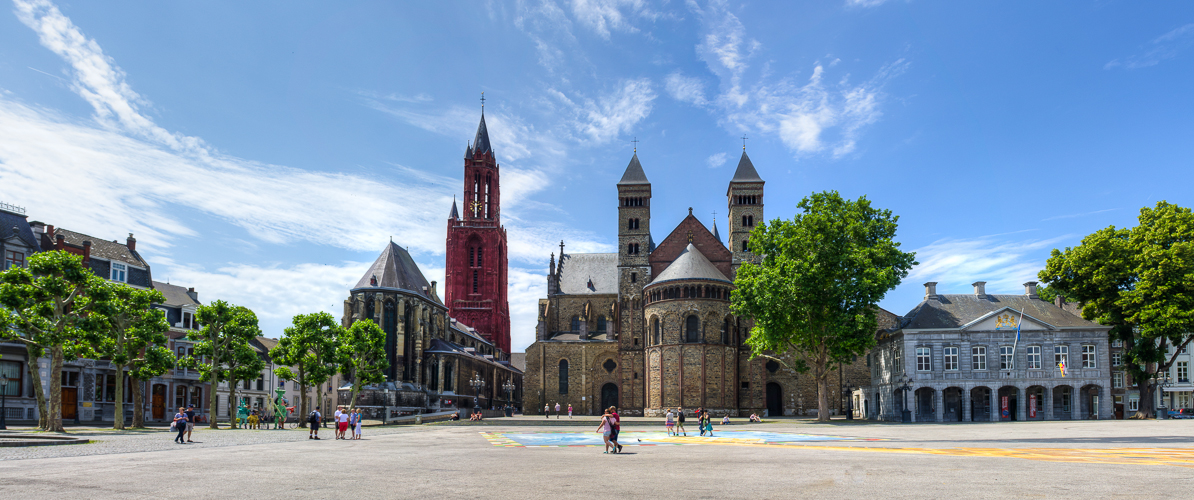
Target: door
1119	411
70	403
609	396
775	400
159	401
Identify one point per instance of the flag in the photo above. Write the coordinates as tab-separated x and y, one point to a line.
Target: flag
1061	366
1017	342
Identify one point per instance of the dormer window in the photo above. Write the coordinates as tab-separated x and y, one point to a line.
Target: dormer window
14	259
119	272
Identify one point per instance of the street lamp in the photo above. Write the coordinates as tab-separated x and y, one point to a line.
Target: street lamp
509	387
848	391
1160	381
3	402
906	414
477	384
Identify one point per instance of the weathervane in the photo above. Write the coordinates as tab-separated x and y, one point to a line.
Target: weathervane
635	141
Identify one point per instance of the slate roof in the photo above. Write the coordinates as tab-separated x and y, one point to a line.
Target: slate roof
176	296
454	214
588	273
575	337
715	234
746	171
395	268
441	346
9	220
634	173
691	264
481	142
100	248
955	311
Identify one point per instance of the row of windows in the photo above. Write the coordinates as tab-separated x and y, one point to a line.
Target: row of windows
632	249
748	220
632	202
478	207
692	332
978	356
475	256
750	199
631	223
601	324
688	292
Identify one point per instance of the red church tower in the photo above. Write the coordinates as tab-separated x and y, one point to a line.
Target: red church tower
476	251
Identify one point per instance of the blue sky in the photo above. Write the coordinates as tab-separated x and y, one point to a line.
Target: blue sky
266	152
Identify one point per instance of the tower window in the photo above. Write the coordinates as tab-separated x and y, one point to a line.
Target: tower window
633	277
474	281
472	257
563	376
692	329
632	248
744	245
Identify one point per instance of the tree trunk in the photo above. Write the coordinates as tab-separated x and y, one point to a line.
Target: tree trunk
54	419
118	417
232	403
822	390
213	402
39	392
1146	408
303	411
138	403
352	402
319	401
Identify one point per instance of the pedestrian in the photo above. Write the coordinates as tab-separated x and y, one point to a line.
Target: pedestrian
557	411
615	428
706	424
604	429
546	411
356	431
669	421
190	422
180	424
569	410
336	419
314	419
680	422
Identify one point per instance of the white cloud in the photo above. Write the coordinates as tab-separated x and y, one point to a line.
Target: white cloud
1164	47
603	15
685	88
527	286
865	3
603	119
716	160
1003	264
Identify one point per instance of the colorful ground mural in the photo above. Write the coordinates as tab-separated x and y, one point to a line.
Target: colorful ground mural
653	438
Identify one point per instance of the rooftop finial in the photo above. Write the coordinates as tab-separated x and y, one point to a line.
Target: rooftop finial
635	141
744	138
482	102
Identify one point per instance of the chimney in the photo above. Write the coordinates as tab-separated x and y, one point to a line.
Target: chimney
433	293
1030	290
980	288
1059	301
930	289
194	295
86	253
59	242
131	242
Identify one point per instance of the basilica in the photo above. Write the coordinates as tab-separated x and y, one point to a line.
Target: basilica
650	327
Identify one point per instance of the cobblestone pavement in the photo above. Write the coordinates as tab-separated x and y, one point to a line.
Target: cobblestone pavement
107	441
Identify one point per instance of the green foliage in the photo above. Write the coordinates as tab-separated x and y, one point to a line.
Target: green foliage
362	354
1047	293
309	347
1138	281
222	351
134	338
815	292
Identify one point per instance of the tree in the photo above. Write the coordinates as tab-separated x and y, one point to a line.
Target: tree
309	347
135	339
362	353
814	294
219	348
242	363
49	312
1138	281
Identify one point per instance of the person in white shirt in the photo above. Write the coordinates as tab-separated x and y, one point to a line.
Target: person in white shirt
342	424
336	418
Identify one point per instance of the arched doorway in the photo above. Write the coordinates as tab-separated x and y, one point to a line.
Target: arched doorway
1035	403
1089	402
609	396
980	405
953	404
775	400
1063	402
926	410
1008	403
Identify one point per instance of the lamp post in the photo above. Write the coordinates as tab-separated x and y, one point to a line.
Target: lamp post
3	402
1161	381
509	387
477	384
904	387
848	391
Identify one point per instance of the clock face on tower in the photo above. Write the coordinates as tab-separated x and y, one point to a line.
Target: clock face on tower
477	208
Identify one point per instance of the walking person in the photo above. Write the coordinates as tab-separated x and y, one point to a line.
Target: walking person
190	422
615	428
180	424
557	411
546	411
669	421
604	429
569	410
680	422
314	420
356	430
706	424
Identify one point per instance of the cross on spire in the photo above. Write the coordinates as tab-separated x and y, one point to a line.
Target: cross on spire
635	141
482	102
744	138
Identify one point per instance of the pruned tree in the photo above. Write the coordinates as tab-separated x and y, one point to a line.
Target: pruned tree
50	314
219	349
362	354
813	296
308	354
134	339
1140	282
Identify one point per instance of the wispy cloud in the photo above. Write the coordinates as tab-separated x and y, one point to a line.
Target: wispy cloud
601	16
1083	214
612	113
716	160
1004	264
685	88
1164	47
865	3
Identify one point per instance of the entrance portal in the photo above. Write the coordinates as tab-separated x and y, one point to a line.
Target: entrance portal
775	400
609	396
159	401
953	404
70	403
980	405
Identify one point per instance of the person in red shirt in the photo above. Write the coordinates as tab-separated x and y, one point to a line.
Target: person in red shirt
615	427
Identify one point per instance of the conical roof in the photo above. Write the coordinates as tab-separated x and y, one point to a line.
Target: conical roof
481	142
394	268
691	264
454	214
746	171
634	173
715	234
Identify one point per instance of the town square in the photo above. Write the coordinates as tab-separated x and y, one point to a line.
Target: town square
612	248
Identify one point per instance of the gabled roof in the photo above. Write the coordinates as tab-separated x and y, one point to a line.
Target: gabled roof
109	250
176	296
961	310
634	173
10	221
746	171
690	265
481	142
588	273
394	268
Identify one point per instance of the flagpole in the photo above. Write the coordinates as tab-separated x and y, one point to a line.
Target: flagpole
1016	343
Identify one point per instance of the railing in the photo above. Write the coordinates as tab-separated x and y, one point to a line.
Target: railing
12	208
473	304
14	413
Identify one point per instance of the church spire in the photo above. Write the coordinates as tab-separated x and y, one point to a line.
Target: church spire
481	142
746	170
634	173
454	214
715	234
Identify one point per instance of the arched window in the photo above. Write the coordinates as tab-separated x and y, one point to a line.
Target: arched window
655	337
601	324
563	376
576	323
725	332
744	245
692	329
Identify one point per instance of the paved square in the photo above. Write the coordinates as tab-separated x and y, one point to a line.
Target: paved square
523	458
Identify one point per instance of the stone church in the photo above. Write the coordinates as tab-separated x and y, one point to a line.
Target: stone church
650	327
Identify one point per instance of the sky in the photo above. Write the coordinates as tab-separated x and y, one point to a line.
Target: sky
265	152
